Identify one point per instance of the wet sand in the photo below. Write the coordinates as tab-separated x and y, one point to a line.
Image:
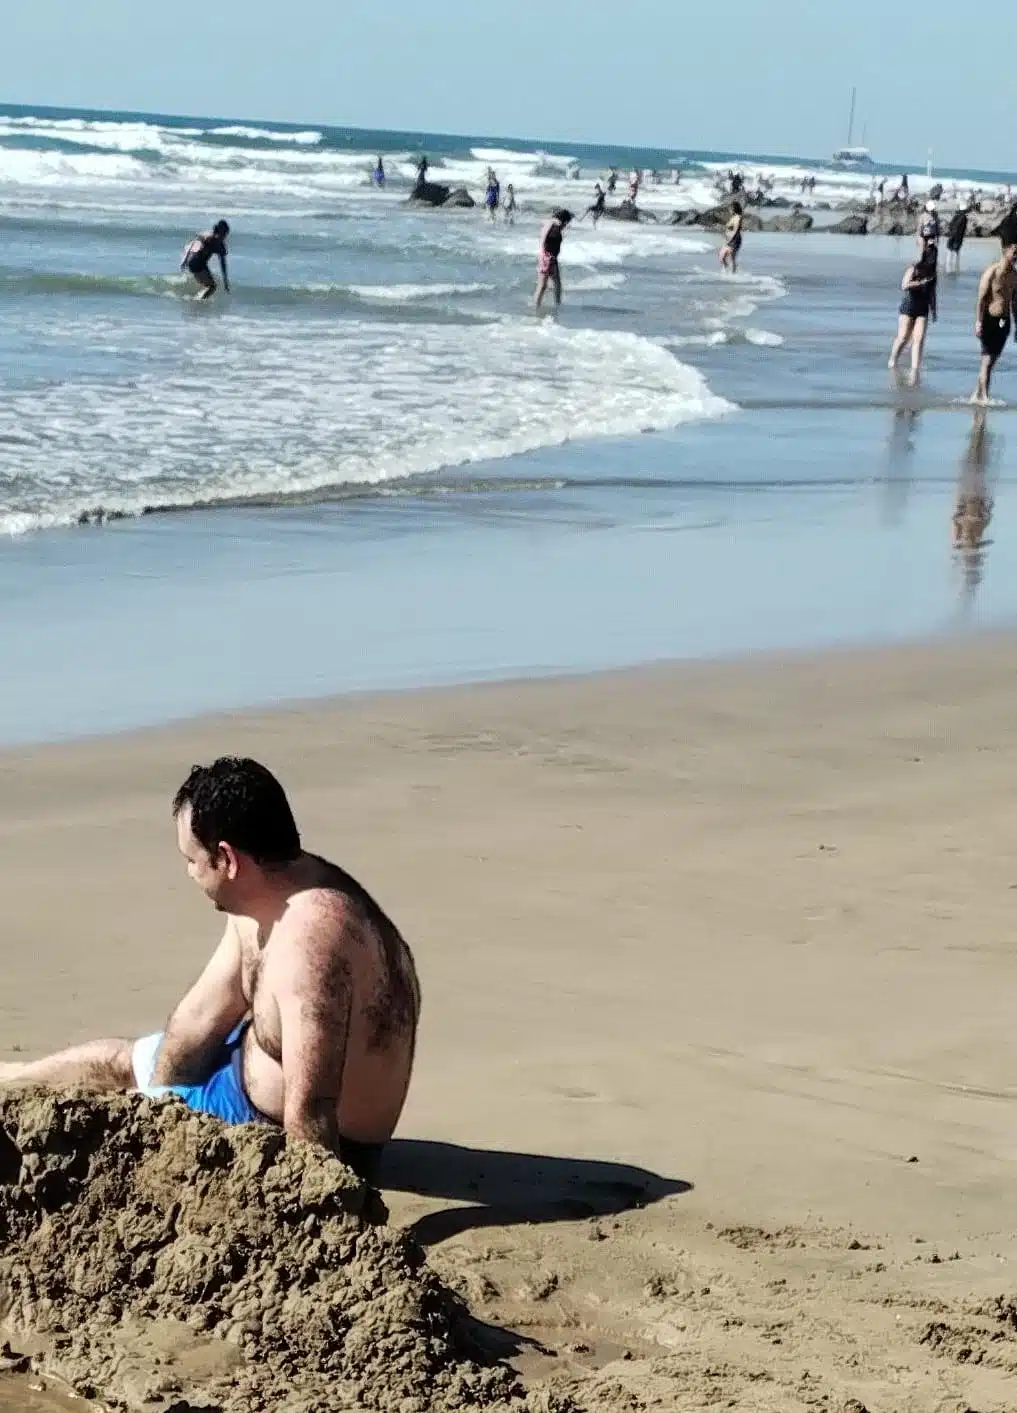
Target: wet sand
716	1086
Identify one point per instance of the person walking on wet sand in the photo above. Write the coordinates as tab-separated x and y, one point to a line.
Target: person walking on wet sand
916	308
306	1015
995	310
548	270
956	233
732	239
200	251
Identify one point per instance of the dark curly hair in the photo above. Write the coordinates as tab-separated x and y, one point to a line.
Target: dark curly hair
238	801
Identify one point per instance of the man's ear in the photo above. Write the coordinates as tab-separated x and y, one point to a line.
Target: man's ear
228	855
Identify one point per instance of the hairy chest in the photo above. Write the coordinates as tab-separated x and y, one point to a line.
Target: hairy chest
256	966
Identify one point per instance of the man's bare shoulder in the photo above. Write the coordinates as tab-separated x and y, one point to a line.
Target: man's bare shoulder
323	916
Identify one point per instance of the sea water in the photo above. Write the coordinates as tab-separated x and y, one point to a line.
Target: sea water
379	445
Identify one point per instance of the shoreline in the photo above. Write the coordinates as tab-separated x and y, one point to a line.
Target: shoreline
360	701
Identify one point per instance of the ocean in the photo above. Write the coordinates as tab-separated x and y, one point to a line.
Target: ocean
374	439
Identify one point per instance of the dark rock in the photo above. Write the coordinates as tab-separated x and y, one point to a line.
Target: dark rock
459	196
854	224
718	216
429	194
893	221
792	222
683	218
625	211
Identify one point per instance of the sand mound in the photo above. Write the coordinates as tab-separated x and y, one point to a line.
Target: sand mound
169	1263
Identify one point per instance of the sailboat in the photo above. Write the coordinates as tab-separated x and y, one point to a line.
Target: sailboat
852	158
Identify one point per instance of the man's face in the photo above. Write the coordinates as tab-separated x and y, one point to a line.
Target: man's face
213	873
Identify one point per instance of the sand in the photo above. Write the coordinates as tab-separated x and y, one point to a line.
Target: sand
714	1103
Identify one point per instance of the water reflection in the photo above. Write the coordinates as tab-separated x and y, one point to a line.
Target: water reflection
972	511
900	455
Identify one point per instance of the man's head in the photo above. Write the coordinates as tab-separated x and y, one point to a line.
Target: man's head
222	228
234	826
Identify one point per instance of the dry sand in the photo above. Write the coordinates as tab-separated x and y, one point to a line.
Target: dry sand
715	1095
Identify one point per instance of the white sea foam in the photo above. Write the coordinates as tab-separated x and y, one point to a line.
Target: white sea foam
764	338
607	245
304	139
588	283
349	403
408	293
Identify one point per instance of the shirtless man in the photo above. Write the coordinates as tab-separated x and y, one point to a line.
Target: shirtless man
306	1014
997	302
200	251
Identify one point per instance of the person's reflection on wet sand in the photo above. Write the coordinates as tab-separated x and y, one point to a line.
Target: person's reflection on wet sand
972	510
898	468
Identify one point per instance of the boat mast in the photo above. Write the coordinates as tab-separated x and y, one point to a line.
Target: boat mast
851	120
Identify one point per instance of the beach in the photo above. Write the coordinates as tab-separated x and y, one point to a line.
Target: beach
729	940
652	665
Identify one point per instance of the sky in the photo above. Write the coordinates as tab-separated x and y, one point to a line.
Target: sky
744	75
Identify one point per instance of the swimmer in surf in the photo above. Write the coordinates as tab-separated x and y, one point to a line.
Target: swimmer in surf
996	307
492	197
200	251
599	204
733	239
508	207
548	272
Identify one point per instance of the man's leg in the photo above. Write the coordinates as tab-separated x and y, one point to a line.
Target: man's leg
981	393
207	283
541	289
98	1064
556	277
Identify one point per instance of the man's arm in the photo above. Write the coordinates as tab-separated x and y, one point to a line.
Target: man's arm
984	286
315	1011
204	1018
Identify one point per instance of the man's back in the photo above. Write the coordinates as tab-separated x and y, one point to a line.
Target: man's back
332	965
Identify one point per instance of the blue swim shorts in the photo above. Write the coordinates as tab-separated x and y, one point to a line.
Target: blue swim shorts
222	1094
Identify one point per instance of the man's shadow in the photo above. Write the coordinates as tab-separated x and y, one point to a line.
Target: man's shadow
503	1189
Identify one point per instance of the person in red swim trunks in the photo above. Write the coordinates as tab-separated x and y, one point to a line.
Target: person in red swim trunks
548	271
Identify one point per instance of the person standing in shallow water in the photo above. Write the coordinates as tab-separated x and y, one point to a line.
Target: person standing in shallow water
200	251
305	1016
917	307
732	239
956	234
994	310
548	269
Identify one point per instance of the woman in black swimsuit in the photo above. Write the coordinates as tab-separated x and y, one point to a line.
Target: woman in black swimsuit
733	239
916	308
198	254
